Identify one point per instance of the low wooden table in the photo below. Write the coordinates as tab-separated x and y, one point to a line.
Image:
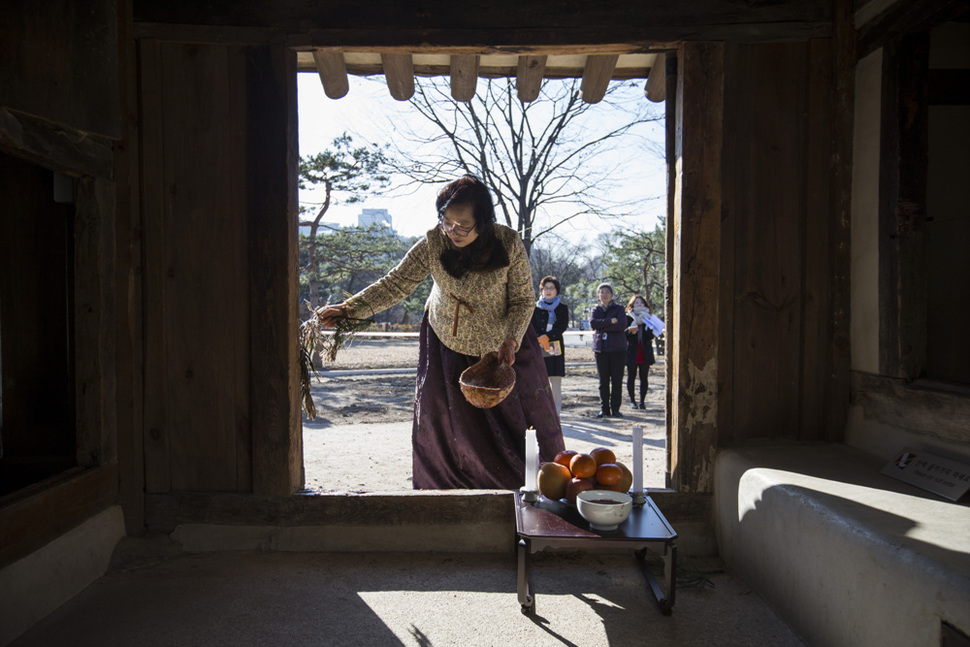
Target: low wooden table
552	524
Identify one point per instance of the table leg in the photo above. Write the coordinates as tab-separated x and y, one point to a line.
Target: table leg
526	598
665	600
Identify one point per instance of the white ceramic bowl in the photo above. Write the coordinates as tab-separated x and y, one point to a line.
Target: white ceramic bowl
604	509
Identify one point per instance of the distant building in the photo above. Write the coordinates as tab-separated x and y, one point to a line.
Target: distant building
323	229
369	217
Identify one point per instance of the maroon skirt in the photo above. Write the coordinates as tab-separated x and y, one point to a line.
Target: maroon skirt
457	445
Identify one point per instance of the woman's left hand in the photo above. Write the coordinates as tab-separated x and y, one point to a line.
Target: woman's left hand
506	352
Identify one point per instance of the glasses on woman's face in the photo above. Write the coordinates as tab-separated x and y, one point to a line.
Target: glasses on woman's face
449	227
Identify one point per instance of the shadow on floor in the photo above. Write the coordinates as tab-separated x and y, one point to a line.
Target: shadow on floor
216	599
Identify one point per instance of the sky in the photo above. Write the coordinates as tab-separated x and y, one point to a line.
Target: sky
370	115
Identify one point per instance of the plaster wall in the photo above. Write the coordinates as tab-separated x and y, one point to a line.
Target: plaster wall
845	555
34	586
864	292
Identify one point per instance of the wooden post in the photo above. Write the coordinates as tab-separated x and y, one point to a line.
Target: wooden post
277	448
902	209
696	243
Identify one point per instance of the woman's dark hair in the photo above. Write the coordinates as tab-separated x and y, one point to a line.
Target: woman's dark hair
550	279
486	252
633	300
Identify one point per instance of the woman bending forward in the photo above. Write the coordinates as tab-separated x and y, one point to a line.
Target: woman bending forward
481	301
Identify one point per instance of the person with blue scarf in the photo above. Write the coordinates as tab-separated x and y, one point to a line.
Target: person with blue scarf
549	320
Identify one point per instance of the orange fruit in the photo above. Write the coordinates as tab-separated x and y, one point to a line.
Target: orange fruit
577	485
627	481
564	457
603	455
582	465
615	488
552	480
609	474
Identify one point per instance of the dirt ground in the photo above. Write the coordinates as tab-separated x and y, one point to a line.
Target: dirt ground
360	440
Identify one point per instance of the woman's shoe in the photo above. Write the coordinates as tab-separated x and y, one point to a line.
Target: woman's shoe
602	414
617	414
633	404
643	406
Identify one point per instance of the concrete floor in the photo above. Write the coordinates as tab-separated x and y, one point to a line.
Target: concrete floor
156	596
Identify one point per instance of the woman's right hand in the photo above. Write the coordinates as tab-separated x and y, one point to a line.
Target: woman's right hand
330	315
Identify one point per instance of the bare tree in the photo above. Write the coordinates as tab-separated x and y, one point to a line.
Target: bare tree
634	262
547	161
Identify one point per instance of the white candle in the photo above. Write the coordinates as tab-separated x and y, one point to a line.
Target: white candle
531	459
637	460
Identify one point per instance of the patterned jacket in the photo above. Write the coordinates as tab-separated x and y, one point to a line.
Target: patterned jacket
471	315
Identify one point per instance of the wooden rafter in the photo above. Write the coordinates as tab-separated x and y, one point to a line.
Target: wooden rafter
656	86
597	68
333	73
399	72
464	77
596	76
528	78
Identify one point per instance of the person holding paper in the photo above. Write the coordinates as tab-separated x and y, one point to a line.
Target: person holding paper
639	350
549	320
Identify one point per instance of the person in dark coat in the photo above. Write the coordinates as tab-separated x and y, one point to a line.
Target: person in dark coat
639	348
550	320
608	321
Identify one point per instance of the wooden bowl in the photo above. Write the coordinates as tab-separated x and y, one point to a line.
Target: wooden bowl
487	382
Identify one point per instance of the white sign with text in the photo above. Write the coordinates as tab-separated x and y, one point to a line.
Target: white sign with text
935	474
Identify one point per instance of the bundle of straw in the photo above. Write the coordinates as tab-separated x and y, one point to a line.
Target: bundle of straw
313	339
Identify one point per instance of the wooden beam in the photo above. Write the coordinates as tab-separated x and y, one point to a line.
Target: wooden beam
464	77
596	76
656	87
399	72
843	115
53	145
895	402
692	329
528	78
565	49
271	142
510	22
333	73
456	507
671	115
902	183
901	18
94	322
485	70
